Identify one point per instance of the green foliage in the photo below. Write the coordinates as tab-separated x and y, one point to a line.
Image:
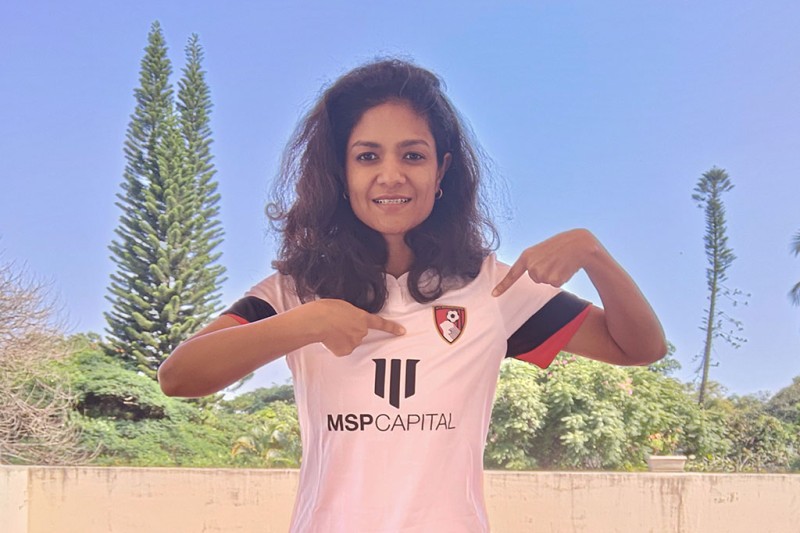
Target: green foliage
123	414
104	388
275	441
155	443
754	441
256	400
663	418
194	105
584	414
667	365
708	195
165	286
576	414
585	424
517	415
785	404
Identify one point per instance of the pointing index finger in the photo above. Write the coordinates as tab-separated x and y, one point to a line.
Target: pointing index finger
377	322
513	275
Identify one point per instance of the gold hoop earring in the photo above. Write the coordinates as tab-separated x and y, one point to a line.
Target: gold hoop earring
439	194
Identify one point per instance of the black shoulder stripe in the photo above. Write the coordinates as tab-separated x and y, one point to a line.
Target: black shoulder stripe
251	309
553	316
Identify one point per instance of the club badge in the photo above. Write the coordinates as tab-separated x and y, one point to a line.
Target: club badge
450	321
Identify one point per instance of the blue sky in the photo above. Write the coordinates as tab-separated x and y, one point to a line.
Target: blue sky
595	114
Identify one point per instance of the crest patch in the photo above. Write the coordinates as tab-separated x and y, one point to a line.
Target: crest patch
450	321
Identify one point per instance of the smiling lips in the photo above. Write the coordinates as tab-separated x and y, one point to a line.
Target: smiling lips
391	201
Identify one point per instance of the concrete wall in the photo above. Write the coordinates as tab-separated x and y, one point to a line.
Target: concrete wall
14	499
177	500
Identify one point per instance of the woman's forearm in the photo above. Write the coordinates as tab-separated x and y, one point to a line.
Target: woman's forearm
209	362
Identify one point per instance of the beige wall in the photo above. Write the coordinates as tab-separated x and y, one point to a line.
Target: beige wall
178	500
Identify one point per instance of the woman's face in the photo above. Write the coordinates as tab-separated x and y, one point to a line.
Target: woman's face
391	168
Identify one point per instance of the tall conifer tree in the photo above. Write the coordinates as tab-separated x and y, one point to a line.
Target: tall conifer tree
708	195
204	274
160	292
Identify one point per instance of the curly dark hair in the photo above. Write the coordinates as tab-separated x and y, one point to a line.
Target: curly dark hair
325	248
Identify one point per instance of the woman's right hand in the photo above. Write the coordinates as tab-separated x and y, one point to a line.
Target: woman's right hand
341	326
197	369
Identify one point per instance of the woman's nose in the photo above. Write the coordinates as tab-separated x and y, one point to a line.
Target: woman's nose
391	173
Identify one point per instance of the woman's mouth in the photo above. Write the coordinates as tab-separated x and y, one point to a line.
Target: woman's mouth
391	201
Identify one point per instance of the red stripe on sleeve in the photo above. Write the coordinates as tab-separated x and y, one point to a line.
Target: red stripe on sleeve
544	354
237	318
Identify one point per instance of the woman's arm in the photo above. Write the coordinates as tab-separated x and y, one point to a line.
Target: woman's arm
225	351
626	331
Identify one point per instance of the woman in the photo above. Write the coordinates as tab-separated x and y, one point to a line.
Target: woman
394	315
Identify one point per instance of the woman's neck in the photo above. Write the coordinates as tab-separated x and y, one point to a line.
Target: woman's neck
400	256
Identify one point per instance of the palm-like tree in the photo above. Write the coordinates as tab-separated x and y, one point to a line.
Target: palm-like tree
276	441
794	294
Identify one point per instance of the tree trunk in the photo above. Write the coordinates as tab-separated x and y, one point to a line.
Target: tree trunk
709	337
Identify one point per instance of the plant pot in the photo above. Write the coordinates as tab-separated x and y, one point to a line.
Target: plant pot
666	463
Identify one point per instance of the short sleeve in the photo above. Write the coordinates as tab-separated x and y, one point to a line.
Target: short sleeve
274	294
540	319
250	309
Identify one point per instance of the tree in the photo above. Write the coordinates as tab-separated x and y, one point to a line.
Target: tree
794	294
35	404
275	442
756	441
584	414
708	195
204	275
258	399
130	422
517	415
165	286
785	404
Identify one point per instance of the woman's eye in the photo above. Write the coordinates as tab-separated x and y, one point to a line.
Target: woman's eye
414	156
367	156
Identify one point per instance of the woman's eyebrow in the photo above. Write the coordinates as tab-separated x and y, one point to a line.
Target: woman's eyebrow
368	144
412	142
402	144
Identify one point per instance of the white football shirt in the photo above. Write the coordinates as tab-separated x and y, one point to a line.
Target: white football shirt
393	434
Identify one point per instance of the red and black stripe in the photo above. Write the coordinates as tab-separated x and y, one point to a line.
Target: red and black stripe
544	334
250	309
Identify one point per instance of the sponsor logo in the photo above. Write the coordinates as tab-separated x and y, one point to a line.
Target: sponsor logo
387	422
450	321
395	370
394	379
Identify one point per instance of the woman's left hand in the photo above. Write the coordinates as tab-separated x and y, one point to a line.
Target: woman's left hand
626	331
553	261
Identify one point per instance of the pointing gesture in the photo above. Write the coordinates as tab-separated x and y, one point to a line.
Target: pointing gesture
341	327
553	261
